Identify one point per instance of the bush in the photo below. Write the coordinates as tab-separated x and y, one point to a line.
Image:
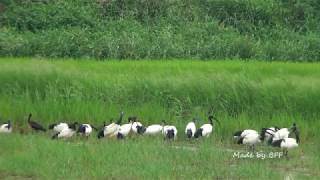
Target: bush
135	29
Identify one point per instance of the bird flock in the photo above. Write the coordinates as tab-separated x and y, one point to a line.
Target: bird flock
273	136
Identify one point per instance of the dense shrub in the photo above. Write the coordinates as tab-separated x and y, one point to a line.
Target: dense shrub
135	29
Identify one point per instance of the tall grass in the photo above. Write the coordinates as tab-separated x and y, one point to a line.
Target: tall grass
176	91
241	94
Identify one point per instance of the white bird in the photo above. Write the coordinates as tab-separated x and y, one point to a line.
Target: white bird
6	127
250	139
206	129
281	134
277	135
268	133
124	129
164	127
170	132
288	143
58	127
66	132
153	129
242	133
111	129
135	125
86	129
191	128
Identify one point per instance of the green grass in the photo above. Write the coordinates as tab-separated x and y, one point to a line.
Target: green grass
286	30
242	94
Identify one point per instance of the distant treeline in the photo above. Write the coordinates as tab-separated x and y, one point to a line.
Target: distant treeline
157	29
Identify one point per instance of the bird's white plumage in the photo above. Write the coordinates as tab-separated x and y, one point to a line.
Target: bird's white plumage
153	129
59	127
125	129
281	134
191	126
206	130
289	143
4	128
248	131
111	129
88	129
66	133
251	139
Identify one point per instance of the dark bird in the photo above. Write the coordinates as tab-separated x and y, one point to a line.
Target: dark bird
34	125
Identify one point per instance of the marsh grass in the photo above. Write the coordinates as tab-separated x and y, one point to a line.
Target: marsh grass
240	94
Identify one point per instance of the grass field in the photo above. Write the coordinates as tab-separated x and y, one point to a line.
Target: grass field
241	94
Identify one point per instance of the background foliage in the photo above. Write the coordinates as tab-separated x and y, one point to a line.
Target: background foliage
152	29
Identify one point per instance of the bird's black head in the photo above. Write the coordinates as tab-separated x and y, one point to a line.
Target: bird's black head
198	133
170	134
73	125
9	124
29	117
294	127
120	118
240	141
141	129
296	132
81	129
238	133
263	133
212	118
100	134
